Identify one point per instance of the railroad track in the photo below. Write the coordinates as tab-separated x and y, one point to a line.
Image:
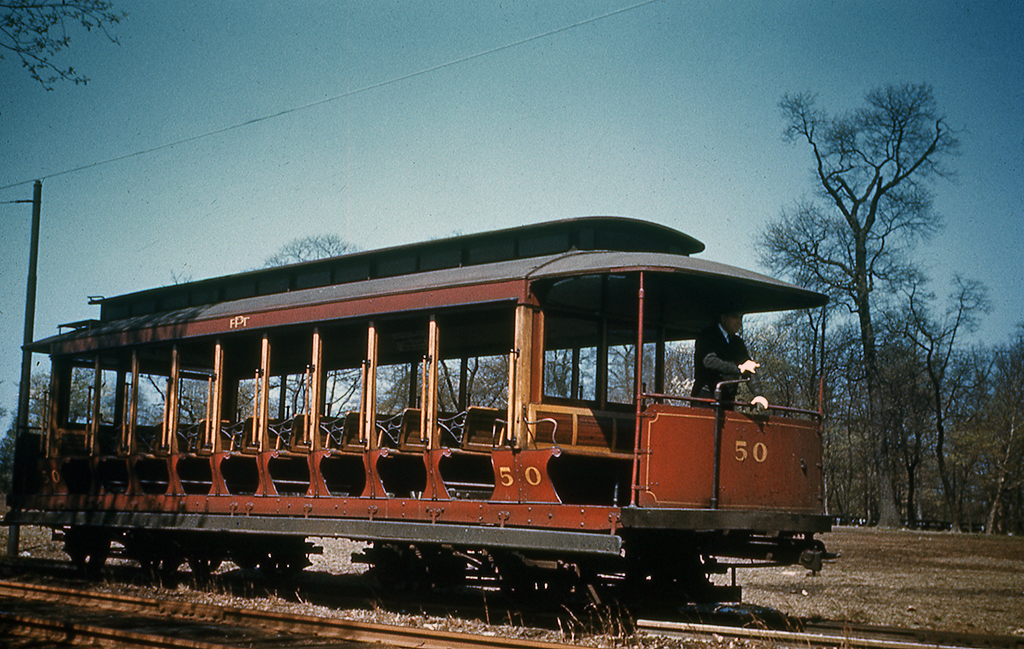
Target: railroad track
832	634
69	616
251	628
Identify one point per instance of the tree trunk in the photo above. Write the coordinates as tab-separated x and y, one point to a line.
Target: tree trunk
911	496
993	512
1001	484
888	514
957	509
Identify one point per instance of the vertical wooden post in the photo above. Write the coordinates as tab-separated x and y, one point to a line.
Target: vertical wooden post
263	424
133	406
510	416
368	409
164	420
214	439
639	354
362	401
520	376
203	443
254	435
93	443
120	405
429	401
172	401
424	374
314	400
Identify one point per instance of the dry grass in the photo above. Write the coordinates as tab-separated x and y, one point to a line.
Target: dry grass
956	582
931	580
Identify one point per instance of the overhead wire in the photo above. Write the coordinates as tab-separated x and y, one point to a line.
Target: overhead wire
344	95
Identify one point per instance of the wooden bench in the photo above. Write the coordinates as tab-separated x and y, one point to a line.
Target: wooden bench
342	433
583	430
472	430
401	432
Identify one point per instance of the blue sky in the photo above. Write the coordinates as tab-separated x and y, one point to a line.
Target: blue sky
427	119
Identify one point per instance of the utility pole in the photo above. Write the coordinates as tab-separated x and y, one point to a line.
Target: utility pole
21	432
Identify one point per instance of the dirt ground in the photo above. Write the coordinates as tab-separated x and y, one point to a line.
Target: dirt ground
932	580
956	582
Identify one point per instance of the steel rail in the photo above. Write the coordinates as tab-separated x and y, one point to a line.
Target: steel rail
846	637
351	631
53	630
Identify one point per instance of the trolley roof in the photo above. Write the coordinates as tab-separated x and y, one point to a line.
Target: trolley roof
687	289
529	241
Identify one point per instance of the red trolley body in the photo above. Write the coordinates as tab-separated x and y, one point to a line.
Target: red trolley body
487	403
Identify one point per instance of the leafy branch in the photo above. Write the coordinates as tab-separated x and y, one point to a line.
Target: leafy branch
37	31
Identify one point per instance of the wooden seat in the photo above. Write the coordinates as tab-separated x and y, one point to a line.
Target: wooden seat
453	429
341	433
584	431
480	428
237	437
401	431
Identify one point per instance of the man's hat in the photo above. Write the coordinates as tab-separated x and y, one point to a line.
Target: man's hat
730	308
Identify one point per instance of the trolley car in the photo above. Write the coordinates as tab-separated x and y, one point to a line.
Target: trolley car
510	406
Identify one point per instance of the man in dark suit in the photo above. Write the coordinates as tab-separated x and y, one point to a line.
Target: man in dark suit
721	355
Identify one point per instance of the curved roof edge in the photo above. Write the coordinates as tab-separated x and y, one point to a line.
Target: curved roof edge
486	283
614	233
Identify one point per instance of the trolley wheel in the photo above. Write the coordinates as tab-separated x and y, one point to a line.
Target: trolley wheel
168	571
443	567
515	577
88	549
203	567
521	576
390	566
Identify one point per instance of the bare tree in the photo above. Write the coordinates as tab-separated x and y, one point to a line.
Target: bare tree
935	338
38	30
906	414
318	246
871	167
1007	440
341	383
789	350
